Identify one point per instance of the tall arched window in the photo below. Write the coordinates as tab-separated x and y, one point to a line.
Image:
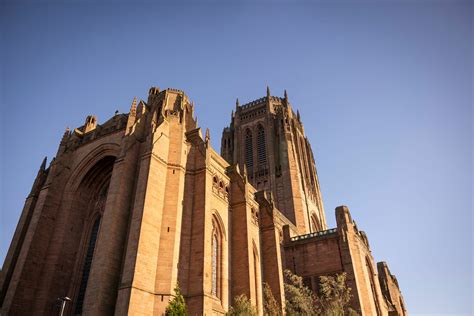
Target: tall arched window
87	265
216	260
261	150
315	223
256	268
248	149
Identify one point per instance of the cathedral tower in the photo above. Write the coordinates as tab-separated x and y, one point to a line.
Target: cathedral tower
267	138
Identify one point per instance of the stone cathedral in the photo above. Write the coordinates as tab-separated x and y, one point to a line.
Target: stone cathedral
129	208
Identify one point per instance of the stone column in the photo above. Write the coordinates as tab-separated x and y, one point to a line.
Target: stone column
271	256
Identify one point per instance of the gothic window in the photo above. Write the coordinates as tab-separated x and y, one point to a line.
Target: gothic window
261	151
248	149
256	267
87	265
215	251
315	224
216	259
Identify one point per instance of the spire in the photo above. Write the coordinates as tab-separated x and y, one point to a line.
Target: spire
268	92
208	137
43	164
133	108
298	115
237	104
286	96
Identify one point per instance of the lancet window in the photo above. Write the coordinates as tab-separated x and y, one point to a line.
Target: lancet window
256	267
97	206
248	149
87	264
261	150
216	259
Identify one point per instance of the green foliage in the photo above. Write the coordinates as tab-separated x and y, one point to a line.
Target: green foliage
351	312
177	306
242	307
300	300
334	296
333	299
270	304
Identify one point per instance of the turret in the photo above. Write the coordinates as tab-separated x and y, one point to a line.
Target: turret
64	140
90	124
207	139
343	217
131	116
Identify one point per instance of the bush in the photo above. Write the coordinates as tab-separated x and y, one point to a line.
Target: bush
334	296
270	304
333	299
300	300
242	306
177	306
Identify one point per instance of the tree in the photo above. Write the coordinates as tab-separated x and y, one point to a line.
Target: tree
242	306
333	299
334	296
300	300
270	305
177	306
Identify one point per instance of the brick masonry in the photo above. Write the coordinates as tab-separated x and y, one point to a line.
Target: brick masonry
171	210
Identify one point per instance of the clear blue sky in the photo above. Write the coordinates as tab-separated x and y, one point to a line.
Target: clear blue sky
384	89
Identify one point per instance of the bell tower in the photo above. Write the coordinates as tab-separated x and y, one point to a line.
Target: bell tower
267	138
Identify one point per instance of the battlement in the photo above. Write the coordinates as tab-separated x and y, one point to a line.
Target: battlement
157	91
315	234
252	104
175	90
154	91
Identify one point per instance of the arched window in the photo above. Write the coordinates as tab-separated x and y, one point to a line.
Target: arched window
256	267
216	259
87	265
315	227
248	149
261	150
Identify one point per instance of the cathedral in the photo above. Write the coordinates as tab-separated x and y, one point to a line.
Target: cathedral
132	207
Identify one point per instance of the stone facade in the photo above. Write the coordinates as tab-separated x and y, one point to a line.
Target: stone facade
130	208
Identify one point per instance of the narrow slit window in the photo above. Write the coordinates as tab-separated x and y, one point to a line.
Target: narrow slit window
249	149
87	265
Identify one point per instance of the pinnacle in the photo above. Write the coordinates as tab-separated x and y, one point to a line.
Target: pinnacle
43	164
